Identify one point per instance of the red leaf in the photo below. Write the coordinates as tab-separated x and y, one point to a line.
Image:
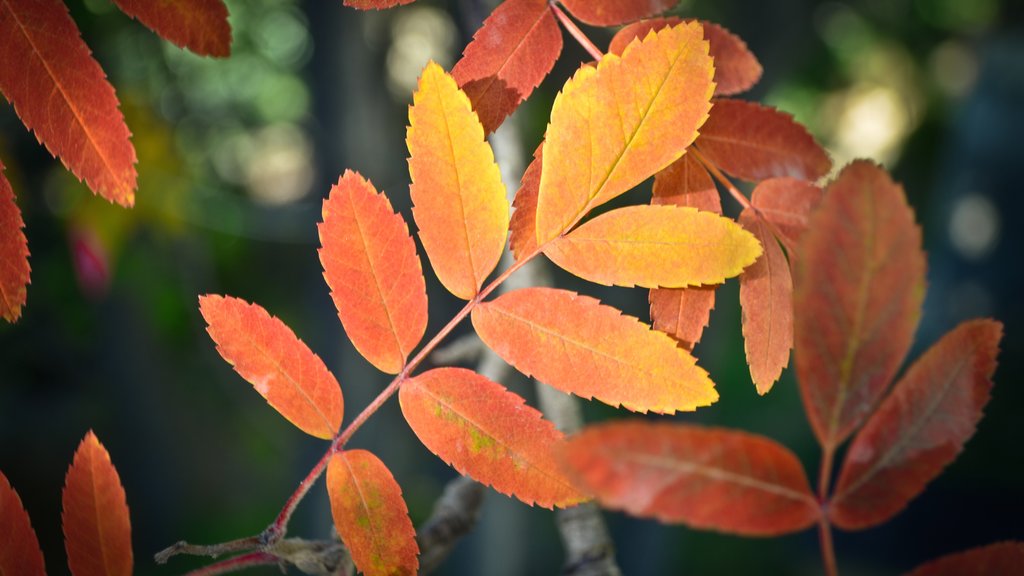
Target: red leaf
858	288
766	295
488	433
577	345
61	94
736	68
376	4
19	552
755	142
375	276
706	478
199	25
14	268
280	367
509	56
787	203
682	313
523	226
992	560
370	515
919	429
615	12
97	530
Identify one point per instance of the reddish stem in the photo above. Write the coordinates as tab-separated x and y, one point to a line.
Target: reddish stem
235	564
828	553
575	31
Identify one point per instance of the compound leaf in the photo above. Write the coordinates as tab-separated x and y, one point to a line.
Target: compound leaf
523	226
616	12
14	267
199	25
998	558
20	552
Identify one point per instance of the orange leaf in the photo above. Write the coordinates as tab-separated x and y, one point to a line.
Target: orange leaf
709	478
858	288
279	366
787	203
97	530
766	295
509	56
755	142
488	433
652	246
19	552
615	12
523	226
682	313
736	68
199	25
919	429
376	4
459	199
14	268
370	515
615	125
371	265
61	94
999	558
577	345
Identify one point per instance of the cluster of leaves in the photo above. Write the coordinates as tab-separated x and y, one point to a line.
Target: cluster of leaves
62	95
97	529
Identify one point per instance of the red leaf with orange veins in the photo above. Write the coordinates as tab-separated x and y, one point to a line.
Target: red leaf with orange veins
14	267
920	428
787	203
616	12
858	289
523	226
280	367
370	514
999	558
576	344
766	295
756	142
19	552
489	434
682	313
707	478
97	529
61	94
376	4
375	276
509	56
199	25
736	67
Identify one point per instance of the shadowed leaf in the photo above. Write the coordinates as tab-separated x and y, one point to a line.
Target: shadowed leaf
999	558
14	267
616	12
787	203
199	25
523	226
19	551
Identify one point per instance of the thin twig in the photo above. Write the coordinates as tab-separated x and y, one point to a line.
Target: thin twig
575	31
235	564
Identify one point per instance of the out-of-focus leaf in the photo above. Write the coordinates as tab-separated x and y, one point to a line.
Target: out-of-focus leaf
19	552
459	200
199	25
707	478
580	346
280	367
488	433
787	203
14	267
375	276
523	226
376	4
616	12
999	558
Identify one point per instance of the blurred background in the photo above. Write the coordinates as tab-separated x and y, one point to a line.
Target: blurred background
236	156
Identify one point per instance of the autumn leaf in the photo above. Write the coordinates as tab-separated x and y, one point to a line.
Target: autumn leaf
370	514
736	67
858	289
999	558
634	115
97	530
707	478
375	276
787	203
459	201
523	226
756	142
19	552
199	25
14	267
489	434
61	94
376	4
919	429
576	344
280	367
655	246
508	58
615	12
766	296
